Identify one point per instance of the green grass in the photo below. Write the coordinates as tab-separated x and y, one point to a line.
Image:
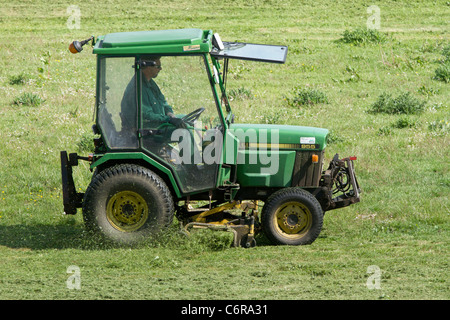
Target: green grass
28	99
442	73
405	103
306	96
363	36
17	79
401	224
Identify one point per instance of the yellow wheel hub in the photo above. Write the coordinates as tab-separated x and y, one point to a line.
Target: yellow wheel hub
127	211
293	220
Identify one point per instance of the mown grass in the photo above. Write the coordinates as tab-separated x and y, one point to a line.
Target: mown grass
401	224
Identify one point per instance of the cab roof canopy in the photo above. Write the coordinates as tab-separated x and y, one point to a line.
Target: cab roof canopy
184	41
158	41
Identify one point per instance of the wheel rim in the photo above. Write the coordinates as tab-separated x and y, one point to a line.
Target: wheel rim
127	211
293	220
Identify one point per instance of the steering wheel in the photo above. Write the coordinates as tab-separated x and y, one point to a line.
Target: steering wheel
191	117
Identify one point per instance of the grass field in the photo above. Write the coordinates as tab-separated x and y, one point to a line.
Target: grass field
401	225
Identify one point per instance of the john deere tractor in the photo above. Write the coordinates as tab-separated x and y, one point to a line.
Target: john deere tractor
166	145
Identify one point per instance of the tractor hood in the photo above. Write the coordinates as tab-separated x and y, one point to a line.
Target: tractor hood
280	136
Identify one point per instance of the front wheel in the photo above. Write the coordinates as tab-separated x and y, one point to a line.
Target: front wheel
127	203
292	216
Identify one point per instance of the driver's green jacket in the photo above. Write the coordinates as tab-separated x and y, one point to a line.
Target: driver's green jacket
154	105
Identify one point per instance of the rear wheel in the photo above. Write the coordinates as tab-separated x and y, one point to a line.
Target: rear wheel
127	203
292	216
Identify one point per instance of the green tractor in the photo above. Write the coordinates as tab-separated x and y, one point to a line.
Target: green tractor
166	144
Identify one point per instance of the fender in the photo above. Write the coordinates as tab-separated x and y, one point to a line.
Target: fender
139	156
73	199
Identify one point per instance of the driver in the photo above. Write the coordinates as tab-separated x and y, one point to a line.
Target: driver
155	112
155	109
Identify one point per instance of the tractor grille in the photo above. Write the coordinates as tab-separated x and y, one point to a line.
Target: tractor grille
306	173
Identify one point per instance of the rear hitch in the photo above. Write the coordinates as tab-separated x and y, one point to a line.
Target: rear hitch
71	198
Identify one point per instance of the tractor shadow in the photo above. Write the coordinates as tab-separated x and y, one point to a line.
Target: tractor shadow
41	237
74	236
